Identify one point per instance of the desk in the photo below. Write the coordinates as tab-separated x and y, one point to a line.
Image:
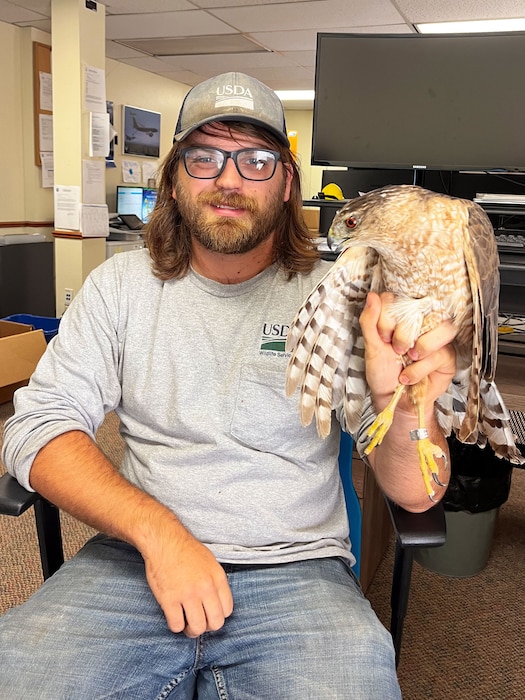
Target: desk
511	344
376	527
510	379
334	204
327	210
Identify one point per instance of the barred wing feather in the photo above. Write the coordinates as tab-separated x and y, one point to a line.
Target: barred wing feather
327	360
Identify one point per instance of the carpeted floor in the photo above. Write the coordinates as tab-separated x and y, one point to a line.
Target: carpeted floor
463	638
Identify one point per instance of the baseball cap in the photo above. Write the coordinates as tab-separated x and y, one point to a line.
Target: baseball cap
231	97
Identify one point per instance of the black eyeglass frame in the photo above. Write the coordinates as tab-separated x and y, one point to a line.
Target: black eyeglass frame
233	155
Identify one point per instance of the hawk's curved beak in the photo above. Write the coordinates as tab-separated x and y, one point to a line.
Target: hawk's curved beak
334	243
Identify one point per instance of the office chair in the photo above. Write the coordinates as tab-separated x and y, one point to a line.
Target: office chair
15	500
410	529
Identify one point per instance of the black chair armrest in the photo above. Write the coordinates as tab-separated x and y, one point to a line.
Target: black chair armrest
426	529
412	530
14	499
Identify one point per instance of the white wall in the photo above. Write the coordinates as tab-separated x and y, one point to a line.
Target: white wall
301	122
21	196
12	170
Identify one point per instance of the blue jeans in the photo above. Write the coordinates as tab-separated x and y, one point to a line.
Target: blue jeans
94	630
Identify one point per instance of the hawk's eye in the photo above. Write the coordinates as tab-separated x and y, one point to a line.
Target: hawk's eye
351	222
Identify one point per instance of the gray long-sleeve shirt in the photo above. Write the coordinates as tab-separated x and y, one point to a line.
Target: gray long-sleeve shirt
195	371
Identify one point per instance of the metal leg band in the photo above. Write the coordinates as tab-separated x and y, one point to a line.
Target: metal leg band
419	434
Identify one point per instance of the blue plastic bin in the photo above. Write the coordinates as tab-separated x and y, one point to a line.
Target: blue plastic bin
45	323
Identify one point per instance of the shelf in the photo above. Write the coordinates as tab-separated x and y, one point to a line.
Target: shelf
330	203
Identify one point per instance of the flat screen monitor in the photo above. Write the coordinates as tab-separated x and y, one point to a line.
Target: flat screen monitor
129	200
440	102
149	197
136	200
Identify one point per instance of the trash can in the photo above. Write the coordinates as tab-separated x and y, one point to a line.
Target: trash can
45	323
479	485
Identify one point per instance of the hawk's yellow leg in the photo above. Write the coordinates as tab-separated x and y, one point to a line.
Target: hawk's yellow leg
427	451
383	421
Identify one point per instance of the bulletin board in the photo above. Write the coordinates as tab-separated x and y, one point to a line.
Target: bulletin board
41	64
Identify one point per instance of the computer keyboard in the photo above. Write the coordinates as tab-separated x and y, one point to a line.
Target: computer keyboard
511	240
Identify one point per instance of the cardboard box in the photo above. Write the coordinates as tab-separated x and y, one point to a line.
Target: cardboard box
21	347
311	217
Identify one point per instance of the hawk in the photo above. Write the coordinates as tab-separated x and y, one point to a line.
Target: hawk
437	256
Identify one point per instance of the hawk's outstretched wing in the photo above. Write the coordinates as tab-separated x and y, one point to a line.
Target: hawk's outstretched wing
327	347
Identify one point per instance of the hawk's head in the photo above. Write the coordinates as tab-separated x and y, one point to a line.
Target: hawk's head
375	217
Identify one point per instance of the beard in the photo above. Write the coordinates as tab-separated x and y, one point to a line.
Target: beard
226	235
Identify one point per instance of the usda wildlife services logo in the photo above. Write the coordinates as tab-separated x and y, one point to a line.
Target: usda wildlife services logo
234	96
273	339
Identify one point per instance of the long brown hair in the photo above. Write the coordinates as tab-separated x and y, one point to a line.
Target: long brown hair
169	242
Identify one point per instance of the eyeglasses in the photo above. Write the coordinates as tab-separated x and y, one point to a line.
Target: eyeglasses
251	163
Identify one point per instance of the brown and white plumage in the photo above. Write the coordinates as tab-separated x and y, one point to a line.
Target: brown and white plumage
437	255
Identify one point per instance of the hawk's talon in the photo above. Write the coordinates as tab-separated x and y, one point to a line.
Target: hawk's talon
383	421
435	477
379	429
428	453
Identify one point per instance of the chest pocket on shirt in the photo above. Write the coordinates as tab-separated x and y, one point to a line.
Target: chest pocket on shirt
263	417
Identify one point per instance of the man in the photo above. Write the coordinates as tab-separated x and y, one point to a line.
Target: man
224	568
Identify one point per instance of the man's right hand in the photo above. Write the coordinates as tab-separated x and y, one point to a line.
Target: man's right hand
189	584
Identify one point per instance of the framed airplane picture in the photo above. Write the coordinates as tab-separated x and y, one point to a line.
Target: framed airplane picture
141	132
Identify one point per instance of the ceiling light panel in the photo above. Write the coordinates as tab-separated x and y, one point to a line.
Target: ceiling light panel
479	26
196	45
164	24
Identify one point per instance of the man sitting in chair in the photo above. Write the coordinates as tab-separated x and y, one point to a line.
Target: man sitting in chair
224	567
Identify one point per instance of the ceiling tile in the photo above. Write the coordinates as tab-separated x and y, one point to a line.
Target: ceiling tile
278	79
147	63
444	10
123	7
118	51
317	14
164	24
306	39
43	7
211	65
42	24
300	58
13	14
186	77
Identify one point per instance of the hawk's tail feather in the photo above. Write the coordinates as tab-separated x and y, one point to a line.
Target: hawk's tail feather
445	411
493	425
